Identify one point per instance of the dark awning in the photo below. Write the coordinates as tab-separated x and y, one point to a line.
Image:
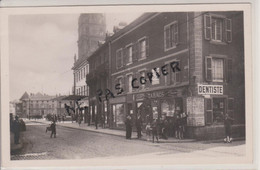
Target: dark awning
73	97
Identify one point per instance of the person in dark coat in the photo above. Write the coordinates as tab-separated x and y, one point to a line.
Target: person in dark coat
139	124
227	124
16	130
53	129
156	129
165	128
128	124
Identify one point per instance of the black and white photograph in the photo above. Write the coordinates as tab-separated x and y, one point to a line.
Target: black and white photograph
152	85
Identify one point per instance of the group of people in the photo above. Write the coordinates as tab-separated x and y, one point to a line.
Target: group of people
158	128
175	126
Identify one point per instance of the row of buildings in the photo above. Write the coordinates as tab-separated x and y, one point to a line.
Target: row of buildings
40	105
209	50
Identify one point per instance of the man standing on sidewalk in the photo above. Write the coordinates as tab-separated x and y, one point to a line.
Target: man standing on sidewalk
16	130
139	126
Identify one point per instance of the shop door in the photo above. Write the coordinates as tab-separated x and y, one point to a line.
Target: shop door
219	109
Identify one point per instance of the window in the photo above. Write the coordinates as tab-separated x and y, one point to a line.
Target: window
155	79
129	54
217	28
176	76
218	69
129	83
142	45
171	36
119	58
142	74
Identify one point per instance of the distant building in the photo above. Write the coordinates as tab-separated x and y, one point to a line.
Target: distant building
37	105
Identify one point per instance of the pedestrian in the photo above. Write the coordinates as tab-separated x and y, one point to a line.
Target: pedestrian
155	130
139	124
227	124
102	121
96	121
16	130
178	127
53	129
165	127
148	130
128	124
79	120
184	124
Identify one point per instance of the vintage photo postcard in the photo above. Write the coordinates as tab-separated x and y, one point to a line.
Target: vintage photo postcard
152	85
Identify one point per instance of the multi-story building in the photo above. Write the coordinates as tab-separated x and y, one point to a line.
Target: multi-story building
91	30
37	105
98	81
163	64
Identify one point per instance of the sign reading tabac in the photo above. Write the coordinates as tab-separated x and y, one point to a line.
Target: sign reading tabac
210	89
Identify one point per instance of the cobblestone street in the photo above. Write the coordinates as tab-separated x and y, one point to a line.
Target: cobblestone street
81	144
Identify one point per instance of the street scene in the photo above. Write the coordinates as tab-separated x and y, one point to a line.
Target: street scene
127	85
74	143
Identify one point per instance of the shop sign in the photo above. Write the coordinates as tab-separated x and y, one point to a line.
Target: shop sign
195	110
157	94
210	89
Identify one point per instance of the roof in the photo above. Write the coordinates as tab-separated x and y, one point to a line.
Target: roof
74	97
39	96
24	96
59	98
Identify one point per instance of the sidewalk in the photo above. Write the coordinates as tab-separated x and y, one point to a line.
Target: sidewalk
108	131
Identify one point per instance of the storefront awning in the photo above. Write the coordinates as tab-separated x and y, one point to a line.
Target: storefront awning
74	97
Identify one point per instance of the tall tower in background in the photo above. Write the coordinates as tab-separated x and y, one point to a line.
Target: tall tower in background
92	30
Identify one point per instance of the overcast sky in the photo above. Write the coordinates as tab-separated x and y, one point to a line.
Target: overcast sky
42	49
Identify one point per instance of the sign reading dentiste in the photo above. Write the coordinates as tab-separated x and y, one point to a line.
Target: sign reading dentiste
210	89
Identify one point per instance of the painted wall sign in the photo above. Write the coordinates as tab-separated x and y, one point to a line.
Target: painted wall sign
195	110
210	89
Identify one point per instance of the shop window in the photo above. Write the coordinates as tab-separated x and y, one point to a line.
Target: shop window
119	115
171	36
217	28
155	78
168	108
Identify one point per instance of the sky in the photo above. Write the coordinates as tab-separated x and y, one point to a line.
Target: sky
42	49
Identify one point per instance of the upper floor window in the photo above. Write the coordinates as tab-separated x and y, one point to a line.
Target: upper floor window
171	36
218	69
119	58
129	54
142	48
217	28
142	74
142	45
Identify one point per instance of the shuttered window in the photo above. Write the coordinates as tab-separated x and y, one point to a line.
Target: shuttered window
171	35
119	58
217	28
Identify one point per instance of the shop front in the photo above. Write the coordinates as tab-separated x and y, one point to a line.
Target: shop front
164	105
118	112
